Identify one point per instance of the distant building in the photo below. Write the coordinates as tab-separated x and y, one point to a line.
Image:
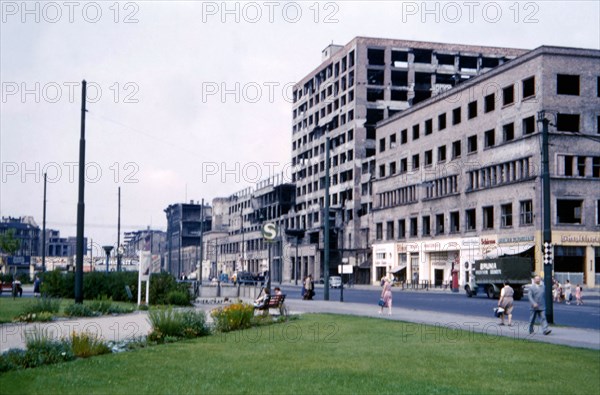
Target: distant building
356	86
459	175
185	224
28	234
57	246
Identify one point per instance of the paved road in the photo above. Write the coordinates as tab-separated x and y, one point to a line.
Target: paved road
586	316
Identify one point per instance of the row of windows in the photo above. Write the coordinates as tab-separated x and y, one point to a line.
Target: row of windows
578	166
500	174
508	98
451	223
332	70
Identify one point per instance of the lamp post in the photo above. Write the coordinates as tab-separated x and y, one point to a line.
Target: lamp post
107	249
548	260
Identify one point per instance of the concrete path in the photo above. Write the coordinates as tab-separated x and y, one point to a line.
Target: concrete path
129	326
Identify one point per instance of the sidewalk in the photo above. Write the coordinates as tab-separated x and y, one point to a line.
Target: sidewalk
439	329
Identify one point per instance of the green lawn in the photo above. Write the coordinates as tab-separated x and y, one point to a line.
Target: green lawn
326	354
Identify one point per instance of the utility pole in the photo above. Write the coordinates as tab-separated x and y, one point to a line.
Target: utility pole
119	252
80	203
199	274
326	224
547	248
44	228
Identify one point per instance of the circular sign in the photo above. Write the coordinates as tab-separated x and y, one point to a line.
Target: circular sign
269	231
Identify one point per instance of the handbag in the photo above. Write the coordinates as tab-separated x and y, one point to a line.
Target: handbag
381	302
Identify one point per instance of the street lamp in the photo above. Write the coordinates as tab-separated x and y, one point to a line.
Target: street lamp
107	249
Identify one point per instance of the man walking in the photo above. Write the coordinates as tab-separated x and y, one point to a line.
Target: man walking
538	305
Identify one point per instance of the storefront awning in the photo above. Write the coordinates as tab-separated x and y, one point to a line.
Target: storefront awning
509	250
396	269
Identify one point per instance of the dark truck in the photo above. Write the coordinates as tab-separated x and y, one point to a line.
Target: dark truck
488	275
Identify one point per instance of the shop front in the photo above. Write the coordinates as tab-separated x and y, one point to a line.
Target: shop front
576	257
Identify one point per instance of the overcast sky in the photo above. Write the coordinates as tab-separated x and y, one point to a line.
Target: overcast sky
192	100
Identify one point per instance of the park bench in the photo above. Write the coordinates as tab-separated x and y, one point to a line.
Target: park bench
274	302
14	288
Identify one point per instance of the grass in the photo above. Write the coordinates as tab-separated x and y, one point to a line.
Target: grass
326	354
11	308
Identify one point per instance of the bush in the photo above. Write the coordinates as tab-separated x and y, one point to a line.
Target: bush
39	310
11	360
86	345
80	310
58	284
40	305
43	351
179	298
101	305
233	317
169	325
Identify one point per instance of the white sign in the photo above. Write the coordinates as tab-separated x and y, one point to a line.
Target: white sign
345	269
269	231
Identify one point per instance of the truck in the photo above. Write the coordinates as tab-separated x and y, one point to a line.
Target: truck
488	276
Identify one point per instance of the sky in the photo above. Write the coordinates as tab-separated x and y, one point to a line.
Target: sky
191	100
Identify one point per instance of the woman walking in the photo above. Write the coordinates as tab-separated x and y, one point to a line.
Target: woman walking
386	295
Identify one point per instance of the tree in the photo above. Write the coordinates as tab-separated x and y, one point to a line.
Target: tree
9	244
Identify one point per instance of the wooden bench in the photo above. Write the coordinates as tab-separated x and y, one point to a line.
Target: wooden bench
274	302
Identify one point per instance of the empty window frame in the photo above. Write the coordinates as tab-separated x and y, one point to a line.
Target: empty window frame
567	84
489	103
567	122
569	211
506	213
456	116
442	121
472	110
488	217
456	149
454	222
528	87
508	95
526	212
508	131
489	138
441	153
528	125
472	144
471	218
426	225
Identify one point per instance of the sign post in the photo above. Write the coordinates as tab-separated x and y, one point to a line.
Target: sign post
269	232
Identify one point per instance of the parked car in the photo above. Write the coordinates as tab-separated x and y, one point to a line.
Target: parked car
335	281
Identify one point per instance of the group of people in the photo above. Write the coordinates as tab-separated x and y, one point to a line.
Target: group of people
537	301
564	292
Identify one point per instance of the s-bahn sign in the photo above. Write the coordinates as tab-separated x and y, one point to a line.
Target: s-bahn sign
269	231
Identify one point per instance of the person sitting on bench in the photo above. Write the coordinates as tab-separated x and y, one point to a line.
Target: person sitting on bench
262	300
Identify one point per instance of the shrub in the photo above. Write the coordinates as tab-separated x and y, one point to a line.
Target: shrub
179	298
233	317
168	324
40	305
86	345
160	286
101	305
43	351
12	359
58	284
80	310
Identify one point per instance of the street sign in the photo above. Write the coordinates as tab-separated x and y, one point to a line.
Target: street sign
548	253
269	231
345	269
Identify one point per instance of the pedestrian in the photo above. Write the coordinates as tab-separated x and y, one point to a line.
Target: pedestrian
556	291
578	294
506	302
36	286
309	288
303	293
537	302
568	293
386	295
